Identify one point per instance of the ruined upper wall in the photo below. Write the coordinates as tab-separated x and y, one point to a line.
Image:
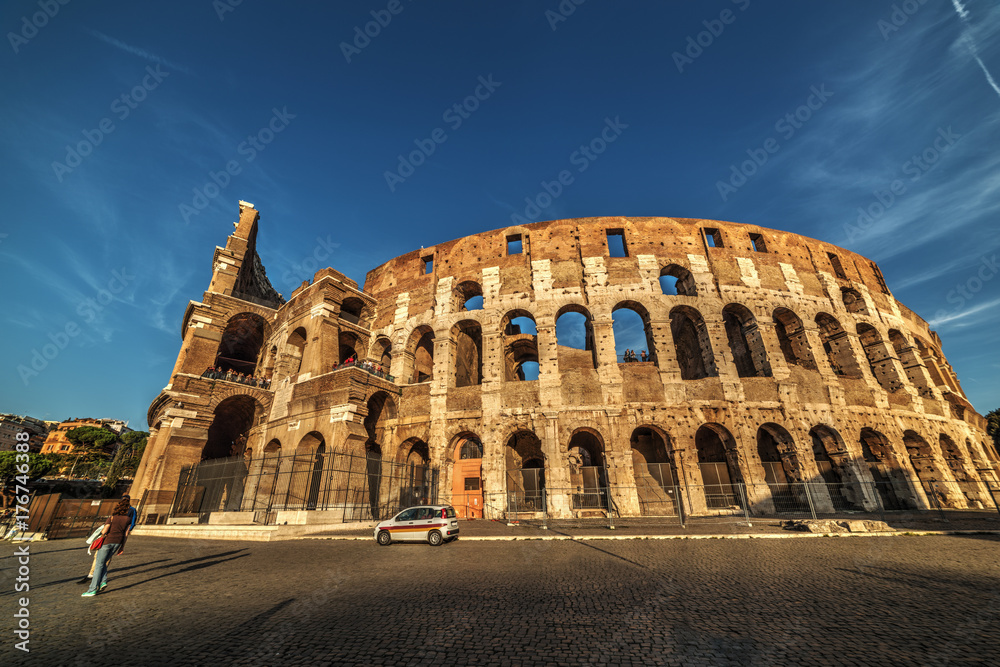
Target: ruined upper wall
566	244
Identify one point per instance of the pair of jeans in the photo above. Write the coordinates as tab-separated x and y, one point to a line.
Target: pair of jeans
101	571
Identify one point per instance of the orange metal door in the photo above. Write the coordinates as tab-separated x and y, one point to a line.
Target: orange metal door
467	489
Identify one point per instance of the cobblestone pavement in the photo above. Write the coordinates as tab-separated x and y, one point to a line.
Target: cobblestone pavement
858	601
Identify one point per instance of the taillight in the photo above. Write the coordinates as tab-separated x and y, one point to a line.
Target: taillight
444	514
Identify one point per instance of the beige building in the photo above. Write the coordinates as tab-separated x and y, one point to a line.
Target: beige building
772	360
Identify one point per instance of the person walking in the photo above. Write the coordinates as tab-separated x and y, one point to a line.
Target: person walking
132	515
116	530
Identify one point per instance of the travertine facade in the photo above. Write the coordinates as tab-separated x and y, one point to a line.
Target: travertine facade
779	358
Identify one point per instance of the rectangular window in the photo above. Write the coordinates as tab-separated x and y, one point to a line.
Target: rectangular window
838	268
616	243
757	242
428	264
880	278
471	483
514	244
714	238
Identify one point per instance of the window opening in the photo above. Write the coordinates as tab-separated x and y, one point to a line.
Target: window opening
616	243
428	264
838	268
757	241
514	245
714	238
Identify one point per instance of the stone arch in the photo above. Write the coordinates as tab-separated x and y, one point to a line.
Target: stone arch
837	346
927	468
719	465
693	344
587	469
879	358
467	475
382	351
349	346
416	487
792	339
780	461
625	338
240	346
295	349
467	353
525	472
575	344
381	409
520	347
853	301
930	362
886	471
745	342
232	419
266	467
306	474
468	296
836	469
675	280
912	364
419	356
655	478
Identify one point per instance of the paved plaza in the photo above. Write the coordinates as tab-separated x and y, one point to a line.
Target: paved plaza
931	600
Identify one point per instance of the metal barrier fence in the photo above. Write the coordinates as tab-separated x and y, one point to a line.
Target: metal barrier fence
739	502
348	487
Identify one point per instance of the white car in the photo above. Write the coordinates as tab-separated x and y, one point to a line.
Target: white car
434	523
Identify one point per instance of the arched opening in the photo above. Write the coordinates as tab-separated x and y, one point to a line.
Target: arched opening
416	488
373	474
931	478
675	280
295	349
792	339
267	478
352	309
271	358
879	359
655	479
520	346
240	345
912	365
745	342
525	465
837	346
420	355
833	464
349	346
930	362
693	344
883	467
633	333
467	338
782	470
587	473
467	476
853	301
383	352
575	338
232	420
307	472
469	296
956	461
719	469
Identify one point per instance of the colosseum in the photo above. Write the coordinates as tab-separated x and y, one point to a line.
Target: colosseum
771	370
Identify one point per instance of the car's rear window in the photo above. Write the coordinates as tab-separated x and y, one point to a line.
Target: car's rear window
448	512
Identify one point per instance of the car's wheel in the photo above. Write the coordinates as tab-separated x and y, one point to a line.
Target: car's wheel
384	538
435	539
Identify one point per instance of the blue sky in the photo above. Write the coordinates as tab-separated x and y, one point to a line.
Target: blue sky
105	236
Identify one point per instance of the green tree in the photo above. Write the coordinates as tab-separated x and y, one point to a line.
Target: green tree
126	458
993	427
38	465
94	442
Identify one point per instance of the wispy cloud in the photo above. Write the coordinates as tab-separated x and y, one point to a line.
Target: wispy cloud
136	51
989	306
968	40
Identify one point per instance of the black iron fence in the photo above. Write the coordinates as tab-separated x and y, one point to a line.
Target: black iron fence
346	486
